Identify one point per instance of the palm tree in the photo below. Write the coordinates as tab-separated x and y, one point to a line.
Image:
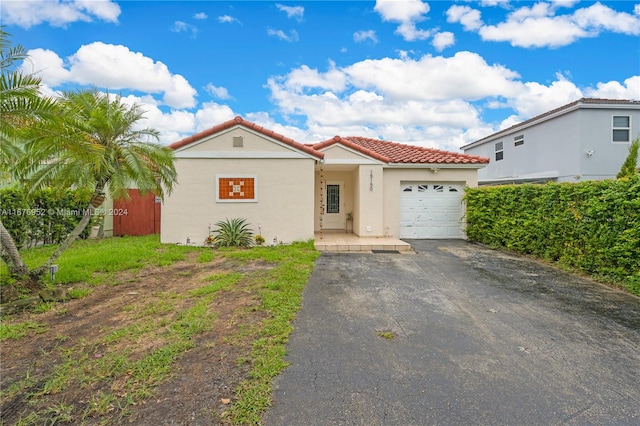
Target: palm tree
21	104
95	145
20	101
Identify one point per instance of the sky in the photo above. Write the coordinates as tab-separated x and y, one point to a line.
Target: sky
438	74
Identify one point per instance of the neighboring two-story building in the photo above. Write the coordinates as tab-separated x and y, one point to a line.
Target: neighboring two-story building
585	140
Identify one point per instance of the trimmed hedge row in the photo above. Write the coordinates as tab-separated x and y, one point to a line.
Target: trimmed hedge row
592	226
46	216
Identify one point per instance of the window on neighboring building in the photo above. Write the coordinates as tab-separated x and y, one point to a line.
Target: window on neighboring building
518	140
621	128
499	151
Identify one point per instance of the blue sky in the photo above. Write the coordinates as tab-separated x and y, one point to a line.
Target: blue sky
438	74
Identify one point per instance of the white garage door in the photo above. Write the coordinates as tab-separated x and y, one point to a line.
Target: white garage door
431	210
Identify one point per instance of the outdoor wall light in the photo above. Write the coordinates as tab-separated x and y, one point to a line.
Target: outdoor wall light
590	153
435	169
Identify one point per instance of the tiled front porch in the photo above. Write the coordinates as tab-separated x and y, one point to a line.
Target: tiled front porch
343	242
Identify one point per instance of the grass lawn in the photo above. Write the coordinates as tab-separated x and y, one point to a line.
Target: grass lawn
153	333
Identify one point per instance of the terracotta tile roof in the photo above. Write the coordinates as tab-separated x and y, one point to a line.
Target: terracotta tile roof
249	125
387	152
569	106
393	152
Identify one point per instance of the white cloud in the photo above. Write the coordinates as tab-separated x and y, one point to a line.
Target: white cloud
172	125
361	36
426	101
407	13
200	16
218	92
179	27
410	32
443	40
318	105
304	77
226	19
503	3
212	114
291	37
465	75
432	101
114	67
401	11
177	124
615	90
536	98
564	3
47	65
57	13
265	120
468	17
535	32
598	17
541	25
295	12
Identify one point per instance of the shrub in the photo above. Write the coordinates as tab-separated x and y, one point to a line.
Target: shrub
233	233
591	226
45	216
630	166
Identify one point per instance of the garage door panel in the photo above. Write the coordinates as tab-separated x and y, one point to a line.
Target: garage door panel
431	210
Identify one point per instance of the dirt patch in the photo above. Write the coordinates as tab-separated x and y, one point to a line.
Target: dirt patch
200	387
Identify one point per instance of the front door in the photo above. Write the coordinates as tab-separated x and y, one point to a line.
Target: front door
334	217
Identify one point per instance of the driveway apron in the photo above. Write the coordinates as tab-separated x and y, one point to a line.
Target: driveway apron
458	334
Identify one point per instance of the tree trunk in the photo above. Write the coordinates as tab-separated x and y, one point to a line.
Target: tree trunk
11	255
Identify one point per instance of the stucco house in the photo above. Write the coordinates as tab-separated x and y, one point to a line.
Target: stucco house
587	139
289	191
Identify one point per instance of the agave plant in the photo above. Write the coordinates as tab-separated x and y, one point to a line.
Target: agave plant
233	233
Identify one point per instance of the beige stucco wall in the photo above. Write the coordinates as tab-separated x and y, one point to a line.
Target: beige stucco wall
338	152
223	142
284	209
347	178
393	177
369	200
372	193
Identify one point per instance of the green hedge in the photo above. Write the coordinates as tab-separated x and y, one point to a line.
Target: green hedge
592	226
44	217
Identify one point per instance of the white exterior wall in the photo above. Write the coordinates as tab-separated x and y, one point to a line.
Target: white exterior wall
558	147
393	177
596	136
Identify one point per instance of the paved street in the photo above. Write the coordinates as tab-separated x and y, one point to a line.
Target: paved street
458	334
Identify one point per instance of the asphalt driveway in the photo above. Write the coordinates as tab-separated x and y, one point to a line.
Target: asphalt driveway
458	334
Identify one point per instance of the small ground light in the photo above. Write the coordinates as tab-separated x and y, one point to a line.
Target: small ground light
52	272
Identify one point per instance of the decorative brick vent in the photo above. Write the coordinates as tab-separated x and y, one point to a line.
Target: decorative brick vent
236	188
